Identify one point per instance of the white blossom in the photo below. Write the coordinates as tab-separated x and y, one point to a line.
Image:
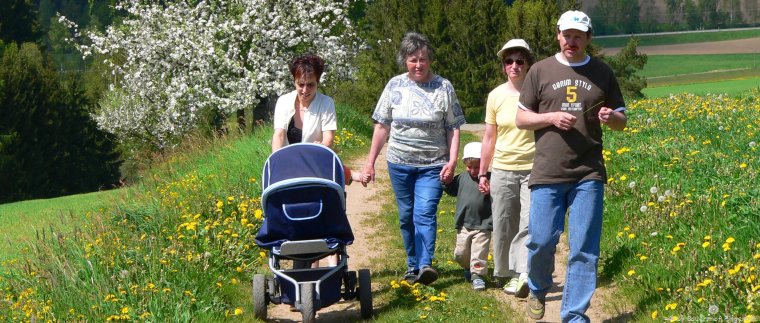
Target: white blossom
173	62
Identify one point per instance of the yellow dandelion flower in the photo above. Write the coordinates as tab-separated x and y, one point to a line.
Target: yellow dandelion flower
423	316
674	318
700	300
705	244
708	238
671	306
642	258
654	315
743	165
631	272
750	318
730	240
238	311
125	310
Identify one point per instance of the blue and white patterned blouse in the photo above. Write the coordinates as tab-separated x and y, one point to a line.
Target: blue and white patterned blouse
419	115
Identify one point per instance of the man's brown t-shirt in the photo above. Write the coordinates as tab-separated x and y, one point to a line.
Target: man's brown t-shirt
581	89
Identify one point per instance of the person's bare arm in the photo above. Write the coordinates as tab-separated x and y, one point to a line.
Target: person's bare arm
487	148
328	138
447	172
379	135
278	139
529	120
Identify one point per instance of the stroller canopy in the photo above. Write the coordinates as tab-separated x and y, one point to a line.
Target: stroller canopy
303	197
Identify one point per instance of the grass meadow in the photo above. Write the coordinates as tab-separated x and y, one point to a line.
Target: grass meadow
680	65
680	231
732	74
733	87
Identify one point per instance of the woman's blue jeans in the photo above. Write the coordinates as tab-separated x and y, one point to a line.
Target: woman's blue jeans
549	204
418	191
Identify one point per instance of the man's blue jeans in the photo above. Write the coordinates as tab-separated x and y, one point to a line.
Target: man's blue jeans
549	204
418	191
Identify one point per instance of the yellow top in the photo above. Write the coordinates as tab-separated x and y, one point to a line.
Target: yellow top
515	148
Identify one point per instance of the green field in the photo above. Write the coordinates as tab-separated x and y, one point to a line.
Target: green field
732	88
23	221
733	74
672	39
669	65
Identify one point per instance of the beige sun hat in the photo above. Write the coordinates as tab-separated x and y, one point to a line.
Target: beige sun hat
513	43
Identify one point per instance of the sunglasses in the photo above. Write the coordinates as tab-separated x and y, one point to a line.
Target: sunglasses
509	61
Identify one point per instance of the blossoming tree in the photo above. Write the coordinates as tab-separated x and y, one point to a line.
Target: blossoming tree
174	62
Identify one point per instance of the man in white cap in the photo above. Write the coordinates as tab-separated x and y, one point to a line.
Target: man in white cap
565	99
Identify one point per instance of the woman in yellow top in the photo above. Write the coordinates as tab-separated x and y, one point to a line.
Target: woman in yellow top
509	153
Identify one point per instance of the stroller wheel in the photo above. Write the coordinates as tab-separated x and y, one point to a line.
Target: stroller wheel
260	296
365	293
308	312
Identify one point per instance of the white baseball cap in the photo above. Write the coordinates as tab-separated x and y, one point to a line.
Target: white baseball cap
471	150
512	43
574	19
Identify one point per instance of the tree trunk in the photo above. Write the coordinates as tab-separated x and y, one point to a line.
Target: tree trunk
241	120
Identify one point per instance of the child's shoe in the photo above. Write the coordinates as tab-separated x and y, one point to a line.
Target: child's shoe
478	283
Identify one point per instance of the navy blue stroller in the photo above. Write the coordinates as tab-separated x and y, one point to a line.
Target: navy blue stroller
304	204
